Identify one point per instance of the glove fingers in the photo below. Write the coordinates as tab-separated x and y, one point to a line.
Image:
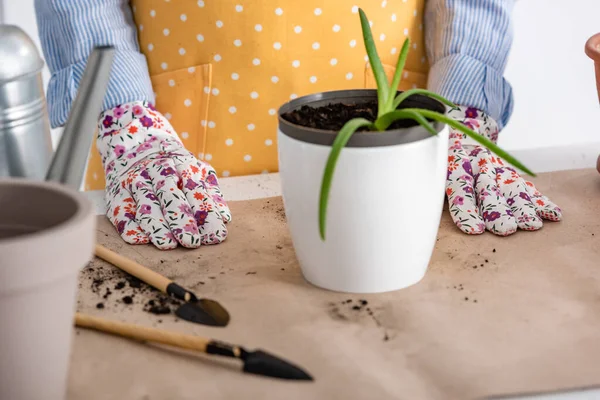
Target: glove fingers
174	205
496	214
513	189
460	192
214	191
213	229
121	211
546	209
150	216
207	214
205	175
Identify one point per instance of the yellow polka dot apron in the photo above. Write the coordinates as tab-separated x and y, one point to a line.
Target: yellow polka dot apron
220	69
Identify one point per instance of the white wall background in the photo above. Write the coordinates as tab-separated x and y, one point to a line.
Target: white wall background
556	121
557	112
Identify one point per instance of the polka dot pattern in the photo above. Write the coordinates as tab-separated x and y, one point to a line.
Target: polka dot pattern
232	64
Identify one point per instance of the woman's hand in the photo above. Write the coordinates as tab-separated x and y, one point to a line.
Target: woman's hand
156	190
485	193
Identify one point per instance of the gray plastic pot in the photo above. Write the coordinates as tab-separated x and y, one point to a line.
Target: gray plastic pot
47	235
385	203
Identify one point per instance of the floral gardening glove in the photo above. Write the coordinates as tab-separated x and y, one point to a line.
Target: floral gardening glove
156	190
484	193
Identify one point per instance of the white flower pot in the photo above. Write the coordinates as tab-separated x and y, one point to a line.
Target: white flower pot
47	235
385	203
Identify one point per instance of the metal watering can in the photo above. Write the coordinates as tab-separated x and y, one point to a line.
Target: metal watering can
25	141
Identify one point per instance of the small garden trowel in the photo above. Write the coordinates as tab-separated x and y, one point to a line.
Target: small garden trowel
200	311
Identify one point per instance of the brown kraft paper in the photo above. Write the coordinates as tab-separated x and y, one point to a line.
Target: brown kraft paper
492	316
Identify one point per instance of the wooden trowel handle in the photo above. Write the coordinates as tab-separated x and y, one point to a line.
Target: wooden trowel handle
131	267
147	275
142	333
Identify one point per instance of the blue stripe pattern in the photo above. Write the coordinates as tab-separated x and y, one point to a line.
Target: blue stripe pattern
69	29
467	41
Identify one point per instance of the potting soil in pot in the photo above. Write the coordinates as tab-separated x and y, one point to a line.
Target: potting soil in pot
334	115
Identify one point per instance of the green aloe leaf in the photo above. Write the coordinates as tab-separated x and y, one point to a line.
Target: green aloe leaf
386	120
404	95
475	136
339	143
374	60
397	76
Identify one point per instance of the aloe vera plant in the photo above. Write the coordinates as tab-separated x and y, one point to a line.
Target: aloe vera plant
387	113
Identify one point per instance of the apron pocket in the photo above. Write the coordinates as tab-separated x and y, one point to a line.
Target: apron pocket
409	79
182	96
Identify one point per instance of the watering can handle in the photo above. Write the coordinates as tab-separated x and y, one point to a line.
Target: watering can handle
70	158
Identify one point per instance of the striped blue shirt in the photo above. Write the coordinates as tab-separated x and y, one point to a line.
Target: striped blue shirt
467	42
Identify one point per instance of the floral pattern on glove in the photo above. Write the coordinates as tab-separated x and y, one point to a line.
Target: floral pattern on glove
156	190
485	194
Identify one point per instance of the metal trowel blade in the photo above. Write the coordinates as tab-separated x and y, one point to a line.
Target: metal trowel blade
205	312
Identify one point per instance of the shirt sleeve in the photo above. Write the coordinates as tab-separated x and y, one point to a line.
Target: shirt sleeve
69	30
468	42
